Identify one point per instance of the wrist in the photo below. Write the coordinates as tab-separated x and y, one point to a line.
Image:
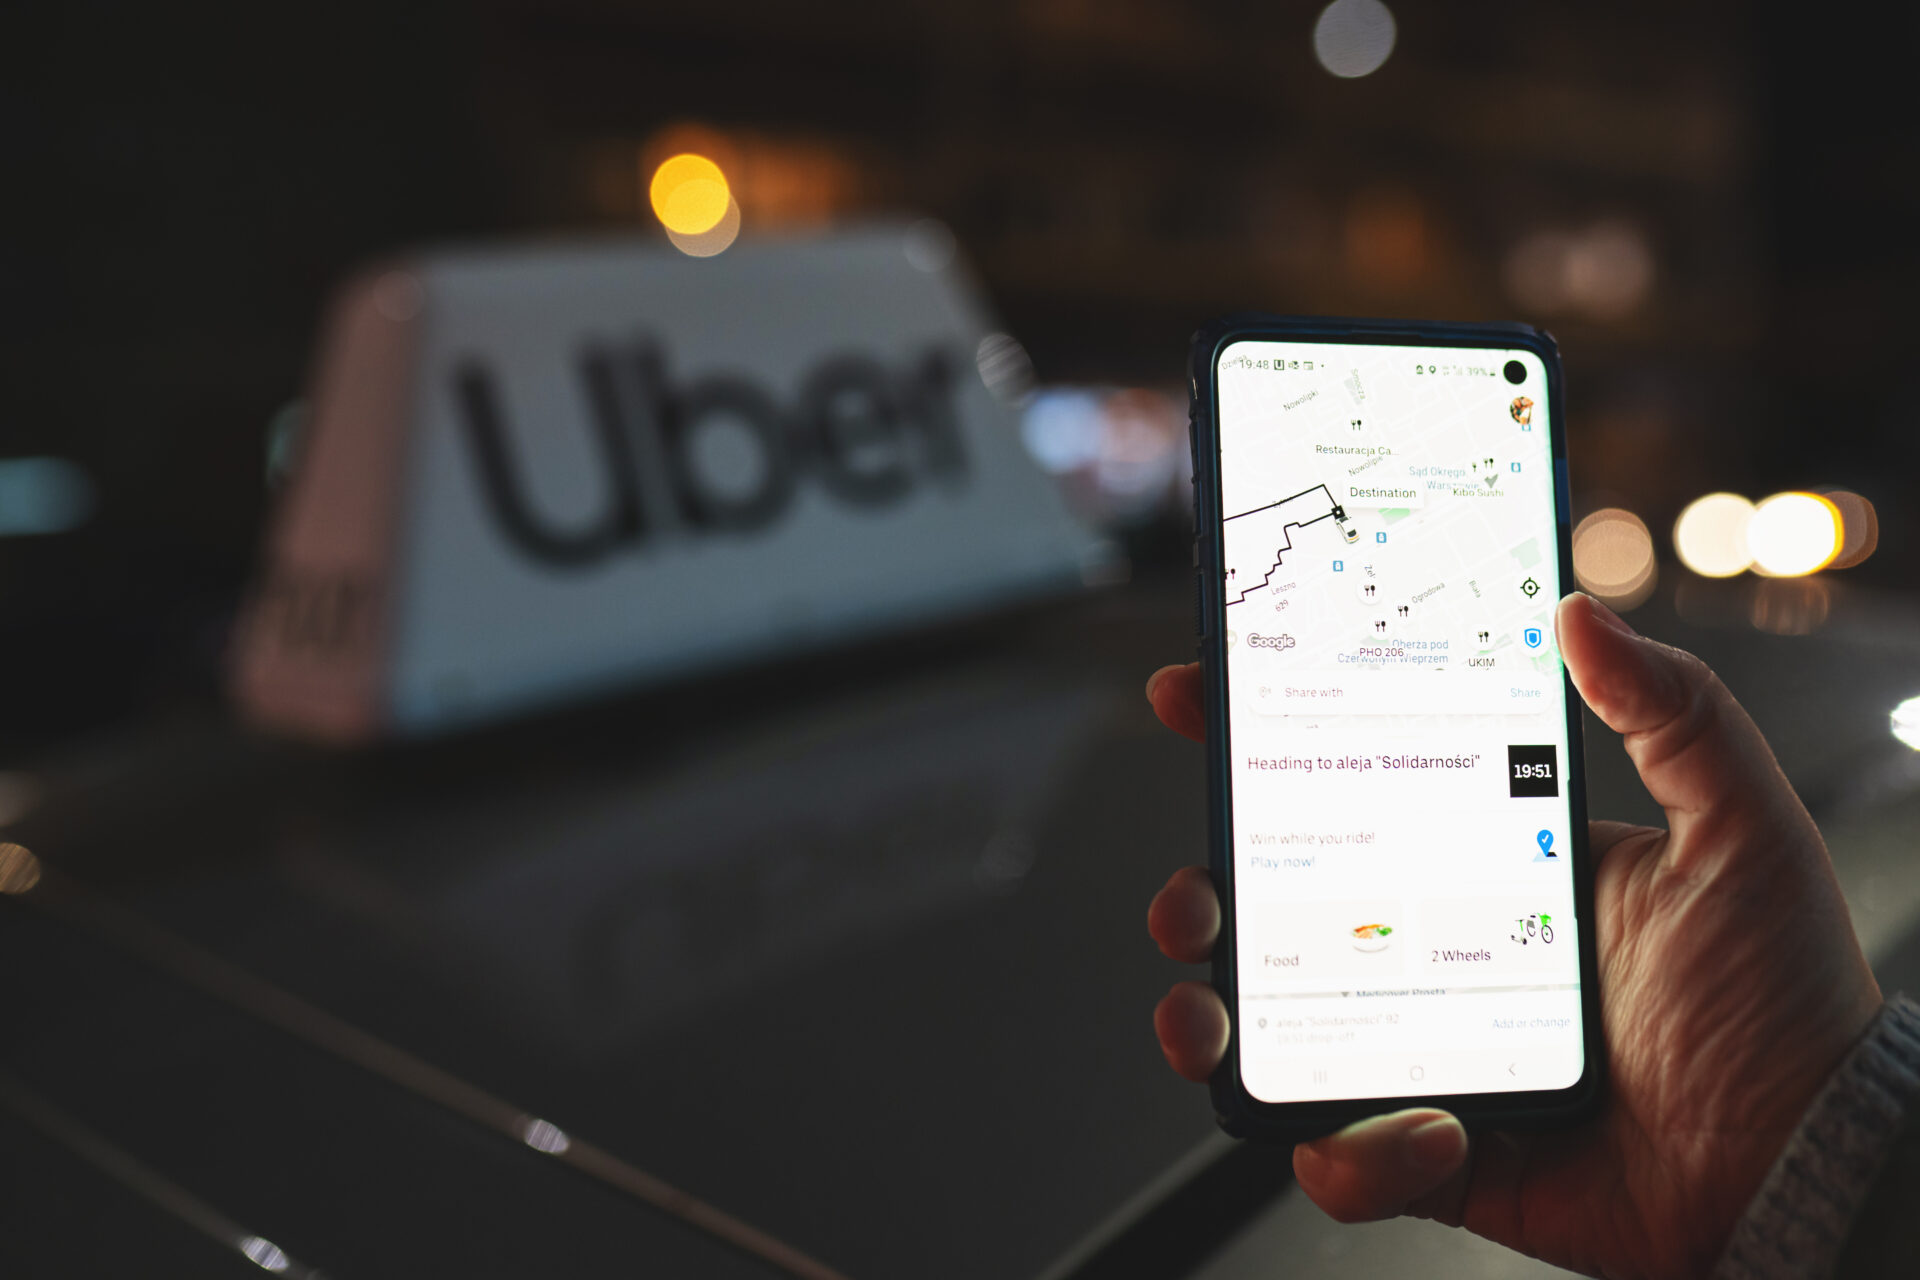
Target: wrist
1797	1222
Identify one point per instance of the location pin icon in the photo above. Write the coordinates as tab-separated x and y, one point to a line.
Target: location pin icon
1546	842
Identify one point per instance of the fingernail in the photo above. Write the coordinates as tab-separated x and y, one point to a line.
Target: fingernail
1155	679
1307	1160
1437	1145
1608	617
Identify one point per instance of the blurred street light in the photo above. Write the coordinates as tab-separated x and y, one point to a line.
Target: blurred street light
1118	454
1604	271
1789	535
1710	537
1905	722
689	194
1793	534
544	1135
19	869
1353	38
42	496
1859	527
265	1254
691	198
1005	368
704	244
1613	557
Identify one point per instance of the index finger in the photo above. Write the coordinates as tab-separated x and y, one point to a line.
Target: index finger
1184	917
1175	694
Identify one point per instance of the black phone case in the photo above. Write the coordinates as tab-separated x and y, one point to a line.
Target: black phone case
1238	1112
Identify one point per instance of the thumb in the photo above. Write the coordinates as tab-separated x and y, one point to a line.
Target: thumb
1700	755
1406	1162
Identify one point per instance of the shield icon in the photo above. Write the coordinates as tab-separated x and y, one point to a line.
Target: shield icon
1532	636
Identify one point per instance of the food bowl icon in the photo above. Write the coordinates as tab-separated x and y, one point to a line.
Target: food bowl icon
1371	937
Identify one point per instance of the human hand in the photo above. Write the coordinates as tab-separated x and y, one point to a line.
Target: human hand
1731	986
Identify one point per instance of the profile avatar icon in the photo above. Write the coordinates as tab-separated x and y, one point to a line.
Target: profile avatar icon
1522	410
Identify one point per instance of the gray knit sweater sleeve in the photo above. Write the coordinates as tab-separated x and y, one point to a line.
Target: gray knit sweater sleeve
1843	1199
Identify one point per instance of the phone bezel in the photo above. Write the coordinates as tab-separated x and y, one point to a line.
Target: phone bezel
1237	1110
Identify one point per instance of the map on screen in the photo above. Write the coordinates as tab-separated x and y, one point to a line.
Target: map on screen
1397	722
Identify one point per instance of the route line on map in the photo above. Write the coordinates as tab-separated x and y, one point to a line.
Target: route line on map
1284	501
1286	533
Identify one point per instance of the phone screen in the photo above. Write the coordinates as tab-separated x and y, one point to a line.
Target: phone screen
1397	722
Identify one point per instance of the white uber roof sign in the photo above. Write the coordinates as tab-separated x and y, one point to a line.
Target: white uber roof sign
531	474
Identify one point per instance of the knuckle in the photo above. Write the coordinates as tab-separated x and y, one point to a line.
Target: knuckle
1691	675
1692	712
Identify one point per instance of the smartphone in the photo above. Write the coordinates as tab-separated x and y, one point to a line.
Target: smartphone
1398	818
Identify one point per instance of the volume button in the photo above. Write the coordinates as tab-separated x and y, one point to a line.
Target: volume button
1199	607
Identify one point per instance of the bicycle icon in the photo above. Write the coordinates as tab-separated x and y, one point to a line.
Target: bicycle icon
1532	927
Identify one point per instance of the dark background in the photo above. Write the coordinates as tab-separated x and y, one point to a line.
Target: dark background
905	877
186	183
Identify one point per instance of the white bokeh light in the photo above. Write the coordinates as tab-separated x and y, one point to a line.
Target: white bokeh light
1792	534
1905	722
1710	537
1353	38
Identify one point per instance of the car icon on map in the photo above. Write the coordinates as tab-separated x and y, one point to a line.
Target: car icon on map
1347	531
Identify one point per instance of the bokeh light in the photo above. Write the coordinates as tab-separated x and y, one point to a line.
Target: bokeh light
1859	527
1793	534
544	1135
1605	271
1353	37
265	1254
43	496
1613	557
1905	722
689	194
19	869
1118	454
1005	368
1710	537
704	244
